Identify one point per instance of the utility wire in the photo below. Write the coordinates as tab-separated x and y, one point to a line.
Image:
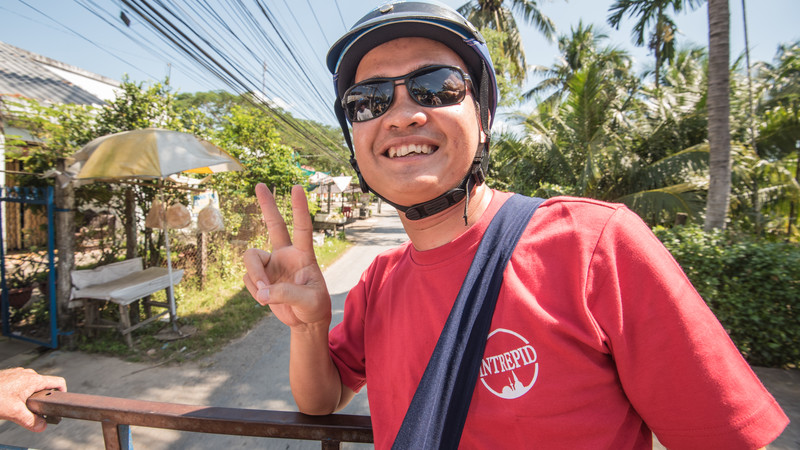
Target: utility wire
147	45
339	10
225	42
319	25
75	33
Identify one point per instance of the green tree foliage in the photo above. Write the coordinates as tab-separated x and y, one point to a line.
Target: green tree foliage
498	15
781	103
588	139
314	144
776	193
730	271
234	123
505	69
137	106
584	45
58	130
674	117
652	15
251	137
62	129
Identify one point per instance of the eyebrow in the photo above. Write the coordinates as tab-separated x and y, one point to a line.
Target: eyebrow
379	76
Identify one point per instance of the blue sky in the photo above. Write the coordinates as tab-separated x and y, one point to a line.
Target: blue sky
66	31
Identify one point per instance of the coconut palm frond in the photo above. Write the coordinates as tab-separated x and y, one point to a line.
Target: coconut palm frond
658	205
680	165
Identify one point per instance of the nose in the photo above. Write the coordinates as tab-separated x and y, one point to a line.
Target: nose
404	111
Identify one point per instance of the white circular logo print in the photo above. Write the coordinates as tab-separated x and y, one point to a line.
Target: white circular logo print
510	365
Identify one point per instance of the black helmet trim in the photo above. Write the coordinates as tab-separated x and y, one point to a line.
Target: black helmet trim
401	12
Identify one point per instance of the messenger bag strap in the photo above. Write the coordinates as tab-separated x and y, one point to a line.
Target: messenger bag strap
436	415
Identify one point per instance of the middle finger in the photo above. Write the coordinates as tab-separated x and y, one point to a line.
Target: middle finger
276	226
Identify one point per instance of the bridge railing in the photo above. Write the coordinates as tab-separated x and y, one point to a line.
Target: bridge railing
117	415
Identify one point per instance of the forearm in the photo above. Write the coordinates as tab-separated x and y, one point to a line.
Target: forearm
315	381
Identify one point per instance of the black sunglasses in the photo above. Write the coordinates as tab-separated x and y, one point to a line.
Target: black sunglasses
430	86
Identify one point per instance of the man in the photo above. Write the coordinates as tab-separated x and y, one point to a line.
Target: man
16	385
597	338
363	113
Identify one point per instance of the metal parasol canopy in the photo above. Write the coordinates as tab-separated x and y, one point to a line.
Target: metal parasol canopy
149	153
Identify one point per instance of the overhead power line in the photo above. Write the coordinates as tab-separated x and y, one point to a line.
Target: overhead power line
241	44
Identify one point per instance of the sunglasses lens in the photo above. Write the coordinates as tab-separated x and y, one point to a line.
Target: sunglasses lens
434	86
368	100
439	87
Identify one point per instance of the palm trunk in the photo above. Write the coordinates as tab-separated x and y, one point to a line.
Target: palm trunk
719	186
751	117
657	48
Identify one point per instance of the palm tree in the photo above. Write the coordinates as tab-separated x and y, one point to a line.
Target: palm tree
674	117
662	37
497	15
779	135
781	103
582	146
719	186
582	46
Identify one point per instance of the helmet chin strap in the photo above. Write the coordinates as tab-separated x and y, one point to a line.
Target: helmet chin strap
475	177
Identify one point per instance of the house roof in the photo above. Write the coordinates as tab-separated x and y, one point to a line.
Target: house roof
28	75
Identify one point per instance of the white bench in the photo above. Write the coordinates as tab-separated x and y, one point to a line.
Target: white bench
122	283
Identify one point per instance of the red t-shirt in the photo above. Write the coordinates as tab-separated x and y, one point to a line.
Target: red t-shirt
597	338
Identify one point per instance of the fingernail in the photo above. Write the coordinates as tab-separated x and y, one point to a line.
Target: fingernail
260	285
263	294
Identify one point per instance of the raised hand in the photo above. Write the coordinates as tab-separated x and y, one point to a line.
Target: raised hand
289	278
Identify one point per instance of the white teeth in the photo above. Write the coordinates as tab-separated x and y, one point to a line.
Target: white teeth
397	152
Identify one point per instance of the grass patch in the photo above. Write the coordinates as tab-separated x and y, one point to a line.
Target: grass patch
221	312
330	251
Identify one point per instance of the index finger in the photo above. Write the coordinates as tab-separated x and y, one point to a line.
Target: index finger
276	226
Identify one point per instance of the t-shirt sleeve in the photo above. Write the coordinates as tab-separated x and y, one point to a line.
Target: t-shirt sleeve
676	363
346	340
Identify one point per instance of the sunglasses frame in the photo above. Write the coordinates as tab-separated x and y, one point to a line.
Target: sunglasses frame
404	81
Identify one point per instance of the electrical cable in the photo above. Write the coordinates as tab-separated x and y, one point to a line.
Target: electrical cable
76	33
205	34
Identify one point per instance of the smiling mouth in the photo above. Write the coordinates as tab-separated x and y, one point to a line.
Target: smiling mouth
406	150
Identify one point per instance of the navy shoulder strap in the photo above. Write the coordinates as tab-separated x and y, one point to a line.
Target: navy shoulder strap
436	416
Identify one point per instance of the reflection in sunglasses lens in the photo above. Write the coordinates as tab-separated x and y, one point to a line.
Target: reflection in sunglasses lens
430	86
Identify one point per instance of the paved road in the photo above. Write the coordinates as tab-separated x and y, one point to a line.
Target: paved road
253	372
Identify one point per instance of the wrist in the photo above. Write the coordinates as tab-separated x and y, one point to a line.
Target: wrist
318	328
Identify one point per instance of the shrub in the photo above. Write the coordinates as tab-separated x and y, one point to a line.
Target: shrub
752	286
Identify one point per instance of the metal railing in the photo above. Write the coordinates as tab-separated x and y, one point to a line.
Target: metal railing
117	415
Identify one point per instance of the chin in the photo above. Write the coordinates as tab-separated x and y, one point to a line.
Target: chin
420	193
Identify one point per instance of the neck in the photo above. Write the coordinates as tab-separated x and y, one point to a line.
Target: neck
439	229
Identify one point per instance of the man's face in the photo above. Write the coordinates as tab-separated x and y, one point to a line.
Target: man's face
412	153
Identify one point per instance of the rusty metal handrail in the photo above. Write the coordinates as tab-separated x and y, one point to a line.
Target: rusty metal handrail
118	414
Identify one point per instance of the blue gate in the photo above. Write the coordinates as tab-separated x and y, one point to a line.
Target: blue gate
31	196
